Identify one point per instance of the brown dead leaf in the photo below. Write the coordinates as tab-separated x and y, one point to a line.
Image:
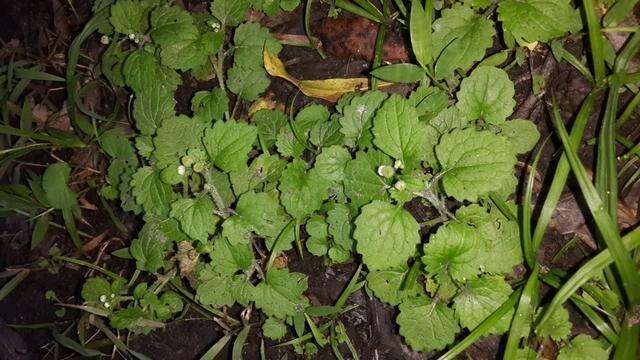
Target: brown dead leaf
85	204
187	258
94	242
40	114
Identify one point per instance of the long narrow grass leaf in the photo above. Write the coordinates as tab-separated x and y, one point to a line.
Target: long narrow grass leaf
562	172
607	227
523	318
238	345
216	348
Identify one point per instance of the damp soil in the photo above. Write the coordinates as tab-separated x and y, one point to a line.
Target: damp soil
44	30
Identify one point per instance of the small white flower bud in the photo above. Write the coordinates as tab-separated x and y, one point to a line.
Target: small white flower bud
132	36
107	305
103	298
386	171
182	170
400	185
398	164
104	40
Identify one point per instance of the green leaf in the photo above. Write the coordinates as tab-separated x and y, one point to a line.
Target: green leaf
398	132
523	134
229	12
480	298
96	287
196	217
339	220
228	144
39	231
557	326
538	20
172	25
487	95
446	120
269	123
302	191
210	105
188	55
127	318
219	290
56	189
331	163
387	286
263	169
149	191
287	143
428	101
326	133
357	115
130	17
174	138
152	107
156	237
474	163
308	117
583	347
362	182
148	253
460	37
386	235
455	249
228	258
281	295
501	236
263	212
142	71
420	32
115	142
425	325
399	73
317	246
247	82
250	39
274	329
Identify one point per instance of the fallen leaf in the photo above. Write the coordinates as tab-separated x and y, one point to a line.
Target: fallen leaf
41	114
187	258
94	242
327	89
85	204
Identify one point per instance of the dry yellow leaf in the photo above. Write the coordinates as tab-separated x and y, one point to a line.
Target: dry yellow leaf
327	89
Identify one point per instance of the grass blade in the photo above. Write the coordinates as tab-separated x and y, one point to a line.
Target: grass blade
216	348
522	319
590	269
527	206
13	283
39	231
562	172
33	74
72	345
607	227
238	345
357	10
579	302
619	11
595	40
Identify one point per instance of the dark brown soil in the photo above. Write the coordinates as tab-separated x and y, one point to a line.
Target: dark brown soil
45	32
